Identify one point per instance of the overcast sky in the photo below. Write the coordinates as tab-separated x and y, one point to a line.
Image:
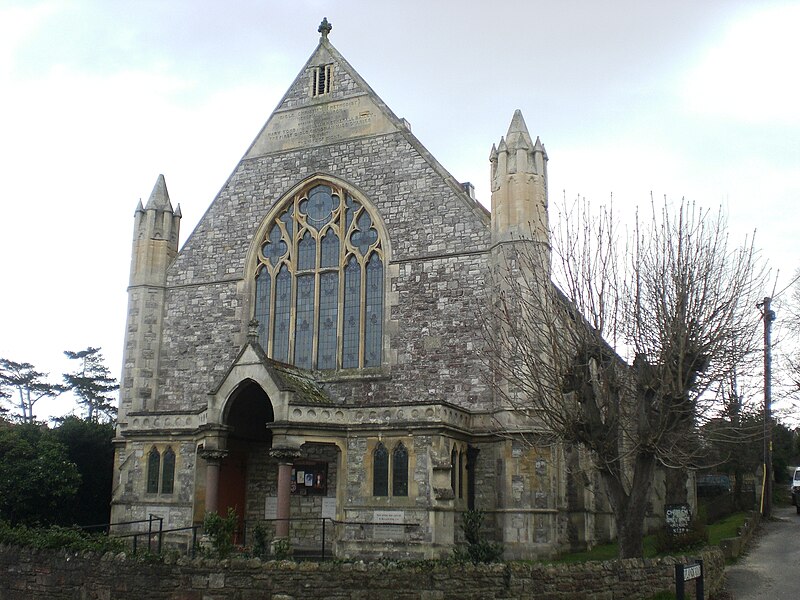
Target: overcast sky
686	98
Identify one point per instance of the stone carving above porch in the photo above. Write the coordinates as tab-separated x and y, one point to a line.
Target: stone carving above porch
380	415
166	421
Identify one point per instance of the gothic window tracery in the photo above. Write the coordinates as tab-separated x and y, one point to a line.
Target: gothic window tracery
400	470
168	472
319	282
153	470
380	471
385	470
160	471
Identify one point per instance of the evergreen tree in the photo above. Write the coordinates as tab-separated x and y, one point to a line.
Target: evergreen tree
89	446
37	479
27	384
92	384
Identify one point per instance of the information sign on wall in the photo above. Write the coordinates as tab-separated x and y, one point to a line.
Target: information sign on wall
389	524
271	507
329	508
310	478
678	518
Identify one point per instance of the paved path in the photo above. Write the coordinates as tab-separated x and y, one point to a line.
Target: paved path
770	568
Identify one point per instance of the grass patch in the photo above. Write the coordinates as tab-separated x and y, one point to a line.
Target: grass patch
662	596
724	528
607	552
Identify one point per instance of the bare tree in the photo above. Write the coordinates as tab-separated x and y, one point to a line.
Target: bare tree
734	438
790	367
622	353
27	385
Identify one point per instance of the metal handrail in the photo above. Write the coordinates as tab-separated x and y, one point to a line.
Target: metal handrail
160	531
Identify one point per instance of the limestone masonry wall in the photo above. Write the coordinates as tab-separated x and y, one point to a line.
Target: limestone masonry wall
438	244
48	574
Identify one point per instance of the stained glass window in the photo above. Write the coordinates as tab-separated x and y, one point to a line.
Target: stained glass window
168	472
283	308
330	249
352	313
263	285
373	323
319	282
304	328
307	252
380	471
400	470
328	320
153	470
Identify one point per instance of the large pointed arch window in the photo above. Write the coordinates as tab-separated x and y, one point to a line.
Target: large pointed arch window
320	282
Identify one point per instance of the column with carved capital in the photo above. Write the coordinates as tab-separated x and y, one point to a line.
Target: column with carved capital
285	458
213	458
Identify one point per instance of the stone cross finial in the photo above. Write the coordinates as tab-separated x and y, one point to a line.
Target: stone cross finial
325	28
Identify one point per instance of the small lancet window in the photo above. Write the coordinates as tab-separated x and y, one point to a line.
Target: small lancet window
453	469
153	470
461	473
400	471
168	472
380	471
321	80
160	471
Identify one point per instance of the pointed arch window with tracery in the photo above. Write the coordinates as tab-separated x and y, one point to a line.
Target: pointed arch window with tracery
320	282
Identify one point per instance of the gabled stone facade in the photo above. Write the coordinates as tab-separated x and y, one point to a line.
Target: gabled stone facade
399	433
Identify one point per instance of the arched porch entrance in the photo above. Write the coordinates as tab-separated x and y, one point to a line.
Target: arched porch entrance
235	454
272	473
243	469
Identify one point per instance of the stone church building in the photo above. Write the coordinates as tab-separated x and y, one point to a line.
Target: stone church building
314	351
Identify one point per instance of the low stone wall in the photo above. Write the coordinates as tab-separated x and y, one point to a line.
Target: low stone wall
27	573
733	547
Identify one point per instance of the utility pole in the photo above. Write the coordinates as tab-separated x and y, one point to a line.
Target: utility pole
769	317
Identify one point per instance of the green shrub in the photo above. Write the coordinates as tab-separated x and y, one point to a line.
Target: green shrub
260	541
282	548
695	537
221	530
72	539
478	550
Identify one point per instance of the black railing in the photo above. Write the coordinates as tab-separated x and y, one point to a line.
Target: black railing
327	526
153	533
323	528
307	536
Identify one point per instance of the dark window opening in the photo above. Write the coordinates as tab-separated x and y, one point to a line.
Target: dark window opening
400	471
380	471
453	470
168	473
153	471
322	80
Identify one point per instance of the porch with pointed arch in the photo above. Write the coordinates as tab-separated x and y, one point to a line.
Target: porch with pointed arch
254	459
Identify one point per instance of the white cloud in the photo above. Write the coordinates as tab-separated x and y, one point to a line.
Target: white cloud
750	74
16	24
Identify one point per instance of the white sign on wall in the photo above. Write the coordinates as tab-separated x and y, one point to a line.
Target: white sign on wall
271	507
389	524
329	508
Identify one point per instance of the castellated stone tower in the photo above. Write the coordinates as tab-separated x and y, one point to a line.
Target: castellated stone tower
155	246
519	188
520	233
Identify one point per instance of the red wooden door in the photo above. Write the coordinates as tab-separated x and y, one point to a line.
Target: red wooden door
232	487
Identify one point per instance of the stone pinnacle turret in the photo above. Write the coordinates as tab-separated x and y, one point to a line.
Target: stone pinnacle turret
519	186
